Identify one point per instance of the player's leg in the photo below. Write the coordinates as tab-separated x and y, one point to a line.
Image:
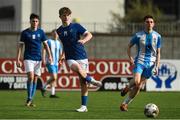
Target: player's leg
140	79
146	74
34	85
138	68
33	90
125	90
135	90
53	85
76	67
134	87
44	87
84	86
29	68
36	74
29	88
49	81
84	96
132	93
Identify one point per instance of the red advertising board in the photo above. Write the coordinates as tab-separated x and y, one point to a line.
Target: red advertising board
114	75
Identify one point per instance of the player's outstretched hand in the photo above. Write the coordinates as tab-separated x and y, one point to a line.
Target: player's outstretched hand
19	64
155	71
81	41
50	60
131	60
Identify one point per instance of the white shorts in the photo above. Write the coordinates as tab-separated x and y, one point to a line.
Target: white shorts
33	66
83	63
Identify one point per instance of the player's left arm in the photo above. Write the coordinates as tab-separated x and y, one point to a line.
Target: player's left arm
44	56
158	55
85	37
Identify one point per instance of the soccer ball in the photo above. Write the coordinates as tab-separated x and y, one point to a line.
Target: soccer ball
151	110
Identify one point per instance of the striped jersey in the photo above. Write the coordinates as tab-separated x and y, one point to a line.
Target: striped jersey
56	50
147	45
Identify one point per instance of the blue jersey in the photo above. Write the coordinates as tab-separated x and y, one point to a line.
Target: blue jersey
147	45
56	49
69	36
32	41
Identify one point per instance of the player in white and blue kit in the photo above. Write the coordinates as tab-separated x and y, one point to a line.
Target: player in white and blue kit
32	38
146	62
57	54
73	37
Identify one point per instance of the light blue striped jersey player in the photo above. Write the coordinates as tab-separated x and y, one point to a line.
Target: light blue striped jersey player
147	45
56	50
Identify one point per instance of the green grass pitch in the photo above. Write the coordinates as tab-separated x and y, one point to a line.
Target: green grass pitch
101	105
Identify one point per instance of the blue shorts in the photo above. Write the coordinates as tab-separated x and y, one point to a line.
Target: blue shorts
145	71
52	68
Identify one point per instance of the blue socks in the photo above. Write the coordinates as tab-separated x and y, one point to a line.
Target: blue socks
31	89
84	100
88	78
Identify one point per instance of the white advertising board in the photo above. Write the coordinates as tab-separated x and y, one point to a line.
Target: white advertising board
168	78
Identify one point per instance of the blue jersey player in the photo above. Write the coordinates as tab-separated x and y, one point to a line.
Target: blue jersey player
73	37
32	38
56	49
146	62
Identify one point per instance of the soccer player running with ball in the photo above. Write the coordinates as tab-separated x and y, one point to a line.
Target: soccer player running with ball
32	38
56	49
73	37
146	63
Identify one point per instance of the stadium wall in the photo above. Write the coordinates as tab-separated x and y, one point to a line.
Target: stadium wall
102	46
48	12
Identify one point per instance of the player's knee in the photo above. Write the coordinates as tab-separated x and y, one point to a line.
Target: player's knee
137	82
31	79
54	78
84	84
137	85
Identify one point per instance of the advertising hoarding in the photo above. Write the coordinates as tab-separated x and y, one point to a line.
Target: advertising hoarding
114	74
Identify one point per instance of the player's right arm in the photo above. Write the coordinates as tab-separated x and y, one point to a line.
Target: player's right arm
131	60
19	53
130	45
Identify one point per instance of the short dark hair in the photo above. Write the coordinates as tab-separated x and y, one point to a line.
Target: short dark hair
32	16
64	10
147	16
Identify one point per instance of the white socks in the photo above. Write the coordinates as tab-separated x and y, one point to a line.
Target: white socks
53	91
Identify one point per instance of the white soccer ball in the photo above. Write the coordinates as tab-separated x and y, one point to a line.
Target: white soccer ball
151	110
